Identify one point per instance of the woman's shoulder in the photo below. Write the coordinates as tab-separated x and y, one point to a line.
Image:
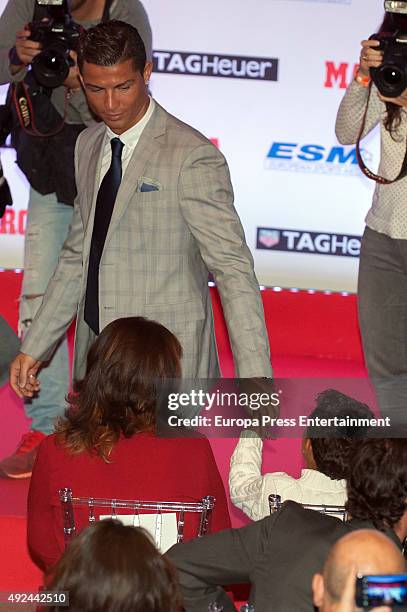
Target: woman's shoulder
171	443
48	444
50	453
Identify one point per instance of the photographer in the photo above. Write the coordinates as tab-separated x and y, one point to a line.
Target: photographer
382	284
48	163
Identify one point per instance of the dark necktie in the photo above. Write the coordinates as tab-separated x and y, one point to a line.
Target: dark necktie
104	208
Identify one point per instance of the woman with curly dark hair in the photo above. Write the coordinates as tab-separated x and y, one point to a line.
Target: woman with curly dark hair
106	446
111	567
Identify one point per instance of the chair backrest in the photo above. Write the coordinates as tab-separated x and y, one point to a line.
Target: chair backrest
137	508
339	511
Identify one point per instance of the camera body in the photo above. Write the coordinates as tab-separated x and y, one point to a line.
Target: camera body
390	77
58	35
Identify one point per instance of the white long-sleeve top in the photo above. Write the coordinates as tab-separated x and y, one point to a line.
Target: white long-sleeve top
388	214
249	488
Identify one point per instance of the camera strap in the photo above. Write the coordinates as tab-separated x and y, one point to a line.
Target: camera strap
366	171
23	105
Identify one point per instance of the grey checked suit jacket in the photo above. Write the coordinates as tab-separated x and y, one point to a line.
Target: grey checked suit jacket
158	250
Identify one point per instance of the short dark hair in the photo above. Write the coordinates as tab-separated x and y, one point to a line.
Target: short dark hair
127	367
332	446
111	567
377	485
110	43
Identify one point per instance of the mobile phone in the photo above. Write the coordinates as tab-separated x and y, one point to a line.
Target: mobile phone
381	590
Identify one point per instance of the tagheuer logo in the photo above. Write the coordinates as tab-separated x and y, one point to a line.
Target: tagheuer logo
301	241
207	64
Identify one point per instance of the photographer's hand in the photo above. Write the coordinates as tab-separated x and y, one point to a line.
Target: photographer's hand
400	100
72	81
26	50
369	57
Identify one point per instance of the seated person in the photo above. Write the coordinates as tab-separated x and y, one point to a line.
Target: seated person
362	552
323	481
279	554
106	445
111	567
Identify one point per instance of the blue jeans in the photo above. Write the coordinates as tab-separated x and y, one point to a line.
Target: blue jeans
47	227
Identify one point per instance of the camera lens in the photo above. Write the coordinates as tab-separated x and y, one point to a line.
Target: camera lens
392	75
390	79
51	68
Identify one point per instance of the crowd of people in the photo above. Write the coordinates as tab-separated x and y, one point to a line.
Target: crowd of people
107	446
126	169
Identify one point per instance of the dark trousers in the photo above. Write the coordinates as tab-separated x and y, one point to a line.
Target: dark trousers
382	302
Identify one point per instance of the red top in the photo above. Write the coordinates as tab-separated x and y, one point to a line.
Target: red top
142	467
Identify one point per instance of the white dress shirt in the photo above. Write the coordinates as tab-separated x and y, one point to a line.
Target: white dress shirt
129	138
249	488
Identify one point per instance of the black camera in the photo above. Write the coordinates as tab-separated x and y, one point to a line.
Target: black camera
390	77
58	35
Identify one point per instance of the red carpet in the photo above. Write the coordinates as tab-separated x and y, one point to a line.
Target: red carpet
312	335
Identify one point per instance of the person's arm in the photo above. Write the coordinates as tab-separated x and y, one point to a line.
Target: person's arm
206	202
227	557
16	14
61	298
42	543
246	482
58	308
353	105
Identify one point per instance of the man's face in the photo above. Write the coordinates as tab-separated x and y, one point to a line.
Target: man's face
117	94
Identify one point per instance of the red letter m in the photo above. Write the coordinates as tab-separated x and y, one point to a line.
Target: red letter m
334	74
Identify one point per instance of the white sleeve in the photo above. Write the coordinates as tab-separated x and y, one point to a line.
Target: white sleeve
351	112
247	485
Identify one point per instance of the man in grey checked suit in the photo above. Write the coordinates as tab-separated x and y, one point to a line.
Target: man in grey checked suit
173	220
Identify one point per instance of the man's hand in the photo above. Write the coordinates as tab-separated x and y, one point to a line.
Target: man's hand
26	49
23	375
260	389
347	601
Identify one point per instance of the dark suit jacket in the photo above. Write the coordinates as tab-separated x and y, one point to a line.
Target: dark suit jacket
277	555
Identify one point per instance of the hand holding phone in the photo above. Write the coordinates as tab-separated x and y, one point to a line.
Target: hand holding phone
381	590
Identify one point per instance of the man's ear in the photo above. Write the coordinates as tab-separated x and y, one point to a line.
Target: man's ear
148	68
318	591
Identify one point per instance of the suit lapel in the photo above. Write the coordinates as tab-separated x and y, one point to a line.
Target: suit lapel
95	164
145	148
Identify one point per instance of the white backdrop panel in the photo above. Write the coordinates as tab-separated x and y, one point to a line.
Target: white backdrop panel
247	116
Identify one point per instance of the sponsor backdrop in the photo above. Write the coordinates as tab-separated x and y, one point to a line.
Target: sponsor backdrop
264	79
